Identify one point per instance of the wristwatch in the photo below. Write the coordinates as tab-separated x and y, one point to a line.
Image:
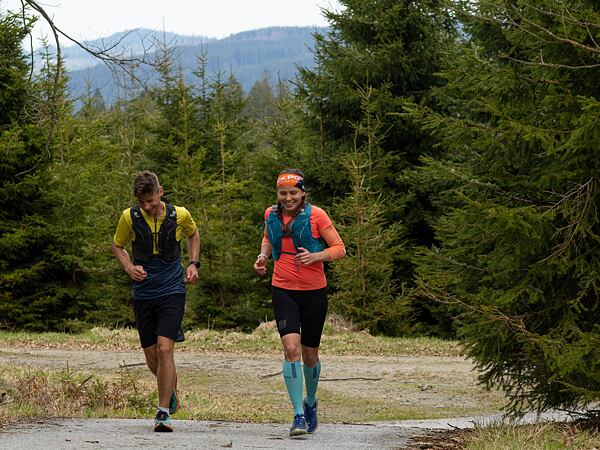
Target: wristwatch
195	262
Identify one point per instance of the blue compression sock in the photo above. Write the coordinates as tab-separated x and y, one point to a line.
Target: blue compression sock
311	375
292	374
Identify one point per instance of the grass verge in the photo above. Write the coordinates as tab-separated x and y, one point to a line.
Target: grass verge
338	339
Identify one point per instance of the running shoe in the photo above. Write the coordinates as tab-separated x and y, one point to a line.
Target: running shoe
162	422
310	413
298	425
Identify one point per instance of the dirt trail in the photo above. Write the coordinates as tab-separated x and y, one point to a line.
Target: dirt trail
431	381
435	383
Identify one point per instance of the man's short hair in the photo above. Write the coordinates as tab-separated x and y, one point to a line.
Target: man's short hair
145	182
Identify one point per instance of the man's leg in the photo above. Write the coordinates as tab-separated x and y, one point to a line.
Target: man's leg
165	373
152	358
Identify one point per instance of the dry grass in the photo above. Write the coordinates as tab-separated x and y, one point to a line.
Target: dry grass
339	338
68	393
546	436
542	436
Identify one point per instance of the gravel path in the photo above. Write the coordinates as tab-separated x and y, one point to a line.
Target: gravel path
137	434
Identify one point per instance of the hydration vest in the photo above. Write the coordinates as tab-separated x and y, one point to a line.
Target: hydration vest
168	245
301	232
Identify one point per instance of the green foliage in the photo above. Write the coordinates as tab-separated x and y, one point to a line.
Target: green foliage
395	49
34	269
518	244
366	292
217	152
14	70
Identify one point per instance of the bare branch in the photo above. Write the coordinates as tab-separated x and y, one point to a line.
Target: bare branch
515	323
30	41
541	63
582	198
111	60
57	75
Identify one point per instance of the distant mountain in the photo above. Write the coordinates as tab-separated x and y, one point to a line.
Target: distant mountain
132	42
250	55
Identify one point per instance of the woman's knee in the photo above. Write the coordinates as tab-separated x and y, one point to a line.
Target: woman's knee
310	356
292	349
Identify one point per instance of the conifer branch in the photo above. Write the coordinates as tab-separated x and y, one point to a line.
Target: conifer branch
555	37
516	323
571	17
582	199
518	20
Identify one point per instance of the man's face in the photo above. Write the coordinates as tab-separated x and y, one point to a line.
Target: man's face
150	203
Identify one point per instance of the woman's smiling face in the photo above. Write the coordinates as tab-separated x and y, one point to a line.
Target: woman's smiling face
290	197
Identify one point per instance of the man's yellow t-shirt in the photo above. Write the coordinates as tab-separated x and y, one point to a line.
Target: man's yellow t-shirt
125	234
163	279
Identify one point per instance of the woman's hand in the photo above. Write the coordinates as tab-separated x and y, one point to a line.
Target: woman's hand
260	266
306	258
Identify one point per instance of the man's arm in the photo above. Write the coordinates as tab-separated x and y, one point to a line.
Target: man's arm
136	273
193	246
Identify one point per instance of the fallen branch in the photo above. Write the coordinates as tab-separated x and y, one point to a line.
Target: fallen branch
270	375
351	378
121	366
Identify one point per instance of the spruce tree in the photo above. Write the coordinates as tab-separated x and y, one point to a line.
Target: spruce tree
365	290
518	243
36	289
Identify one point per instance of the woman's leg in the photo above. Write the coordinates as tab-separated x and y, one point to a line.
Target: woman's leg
312	372
313	313
287	317
292	370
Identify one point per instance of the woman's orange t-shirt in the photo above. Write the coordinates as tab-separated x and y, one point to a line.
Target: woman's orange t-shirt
287	274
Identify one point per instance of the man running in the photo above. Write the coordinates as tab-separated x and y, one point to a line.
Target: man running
155	230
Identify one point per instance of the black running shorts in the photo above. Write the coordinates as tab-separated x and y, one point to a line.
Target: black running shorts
300	312
159	317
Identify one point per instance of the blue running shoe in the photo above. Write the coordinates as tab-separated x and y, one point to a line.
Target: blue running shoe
162	422
310	413
298	425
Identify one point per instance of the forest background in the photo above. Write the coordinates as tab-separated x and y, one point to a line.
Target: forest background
454	144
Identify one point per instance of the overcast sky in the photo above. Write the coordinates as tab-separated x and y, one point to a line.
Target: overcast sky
87	19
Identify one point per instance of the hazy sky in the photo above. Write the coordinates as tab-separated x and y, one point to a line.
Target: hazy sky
87	19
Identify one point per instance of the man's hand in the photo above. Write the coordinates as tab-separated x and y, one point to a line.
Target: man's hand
137	273
191	275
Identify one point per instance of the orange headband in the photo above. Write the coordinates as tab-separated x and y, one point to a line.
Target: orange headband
290	179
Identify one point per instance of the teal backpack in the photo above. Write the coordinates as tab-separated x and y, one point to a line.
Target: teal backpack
301	232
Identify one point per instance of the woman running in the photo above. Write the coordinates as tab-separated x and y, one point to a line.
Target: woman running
296	234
